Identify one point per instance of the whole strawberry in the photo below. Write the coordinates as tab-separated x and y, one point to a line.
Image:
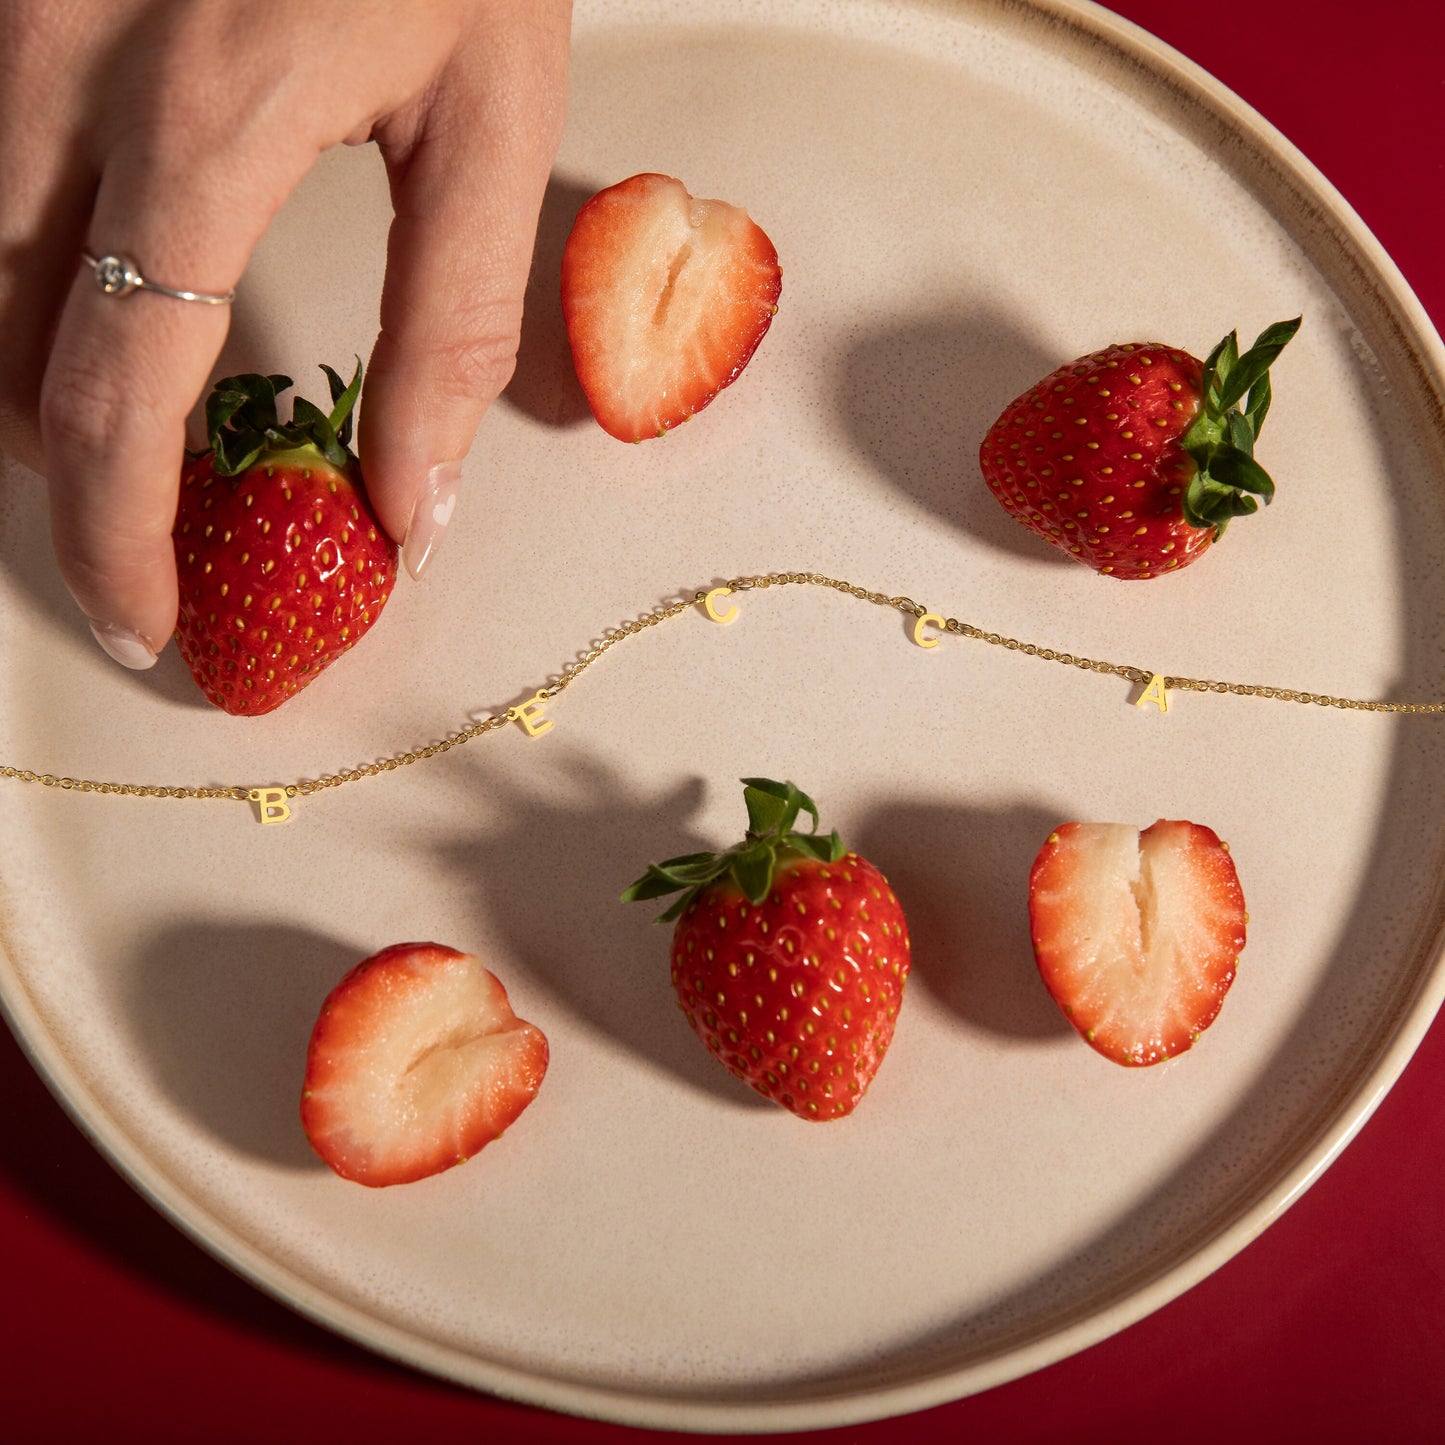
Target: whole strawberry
1134	459
282	563
789	955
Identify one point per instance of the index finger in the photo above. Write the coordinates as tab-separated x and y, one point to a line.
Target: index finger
124	372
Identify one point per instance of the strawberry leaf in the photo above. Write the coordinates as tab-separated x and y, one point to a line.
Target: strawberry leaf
242	423
1218	367
1256	407
1255	362
827	849
653	884
1241	432
771	838
1220	440
753	872
768	812
1237	470
343	401
774	807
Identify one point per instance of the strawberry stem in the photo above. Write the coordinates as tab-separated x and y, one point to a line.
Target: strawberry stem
771	838
243	427
1227	481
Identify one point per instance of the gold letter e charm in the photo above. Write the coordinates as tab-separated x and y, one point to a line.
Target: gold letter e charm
529	715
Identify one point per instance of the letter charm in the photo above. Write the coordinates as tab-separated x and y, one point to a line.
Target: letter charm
271	804
919	625
709	604
1154	692
529	714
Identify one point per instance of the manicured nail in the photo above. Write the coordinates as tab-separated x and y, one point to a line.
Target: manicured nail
125	645
434	507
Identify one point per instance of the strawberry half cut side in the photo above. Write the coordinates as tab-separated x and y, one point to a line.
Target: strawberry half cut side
665	299
416	1062
1137	934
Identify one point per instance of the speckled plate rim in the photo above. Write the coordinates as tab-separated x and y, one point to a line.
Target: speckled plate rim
1109	45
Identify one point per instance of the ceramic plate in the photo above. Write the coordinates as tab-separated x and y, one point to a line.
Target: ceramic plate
963	197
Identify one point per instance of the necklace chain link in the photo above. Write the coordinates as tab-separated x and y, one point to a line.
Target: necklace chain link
490	723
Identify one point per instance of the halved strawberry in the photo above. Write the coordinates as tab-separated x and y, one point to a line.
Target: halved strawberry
665	298
1137	934
416	1062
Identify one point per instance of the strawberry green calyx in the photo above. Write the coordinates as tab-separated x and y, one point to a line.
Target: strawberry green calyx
1228	482
773	809
243	428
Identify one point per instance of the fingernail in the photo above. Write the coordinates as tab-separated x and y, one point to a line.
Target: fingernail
125	645
435	504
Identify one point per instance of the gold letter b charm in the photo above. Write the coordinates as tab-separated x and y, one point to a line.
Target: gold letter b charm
271	804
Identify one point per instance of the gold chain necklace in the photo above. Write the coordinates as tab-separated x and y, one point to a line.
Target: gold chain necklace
272	803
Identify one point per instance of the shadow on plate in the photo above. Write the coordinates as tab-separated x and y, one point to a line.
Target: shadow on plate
544	386
548	876
223	1014
917	395
963	874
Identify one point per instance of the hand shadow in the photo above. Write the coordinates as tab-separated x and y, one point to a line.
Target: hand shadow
918	394
962	875
544	385
548	876
223	1014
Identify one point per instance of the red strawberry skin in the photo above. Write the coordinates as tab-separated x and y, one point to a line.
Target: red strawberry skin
665	299
1137	934
798	995
282	569
1089	459
416	1062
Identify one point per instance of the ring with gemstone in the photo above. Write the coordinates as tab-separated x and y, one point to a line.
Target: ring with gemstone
119	276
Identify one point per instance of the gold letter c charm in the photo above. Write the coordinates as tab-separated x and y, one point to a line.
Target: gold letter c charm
919	625
709	604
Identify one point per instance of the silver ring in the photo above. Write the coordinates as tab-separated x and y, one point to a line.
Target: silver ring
119	276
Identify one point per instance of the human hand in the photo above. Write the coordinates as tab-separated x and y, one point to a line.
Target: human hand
172	133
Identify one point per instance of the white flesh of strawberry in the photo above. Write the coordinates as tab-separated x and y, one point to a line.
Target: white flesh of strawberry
1140	938
676	268
422	1058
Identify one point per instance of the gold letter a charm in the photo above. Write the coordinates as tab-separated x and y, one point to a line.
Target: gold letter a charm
1154	692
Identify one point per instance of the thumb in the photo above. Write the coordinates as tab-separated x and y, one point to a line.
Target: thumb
467	185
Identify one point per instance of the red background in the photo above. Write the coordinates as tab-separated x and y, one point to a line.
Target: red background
1331	1327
